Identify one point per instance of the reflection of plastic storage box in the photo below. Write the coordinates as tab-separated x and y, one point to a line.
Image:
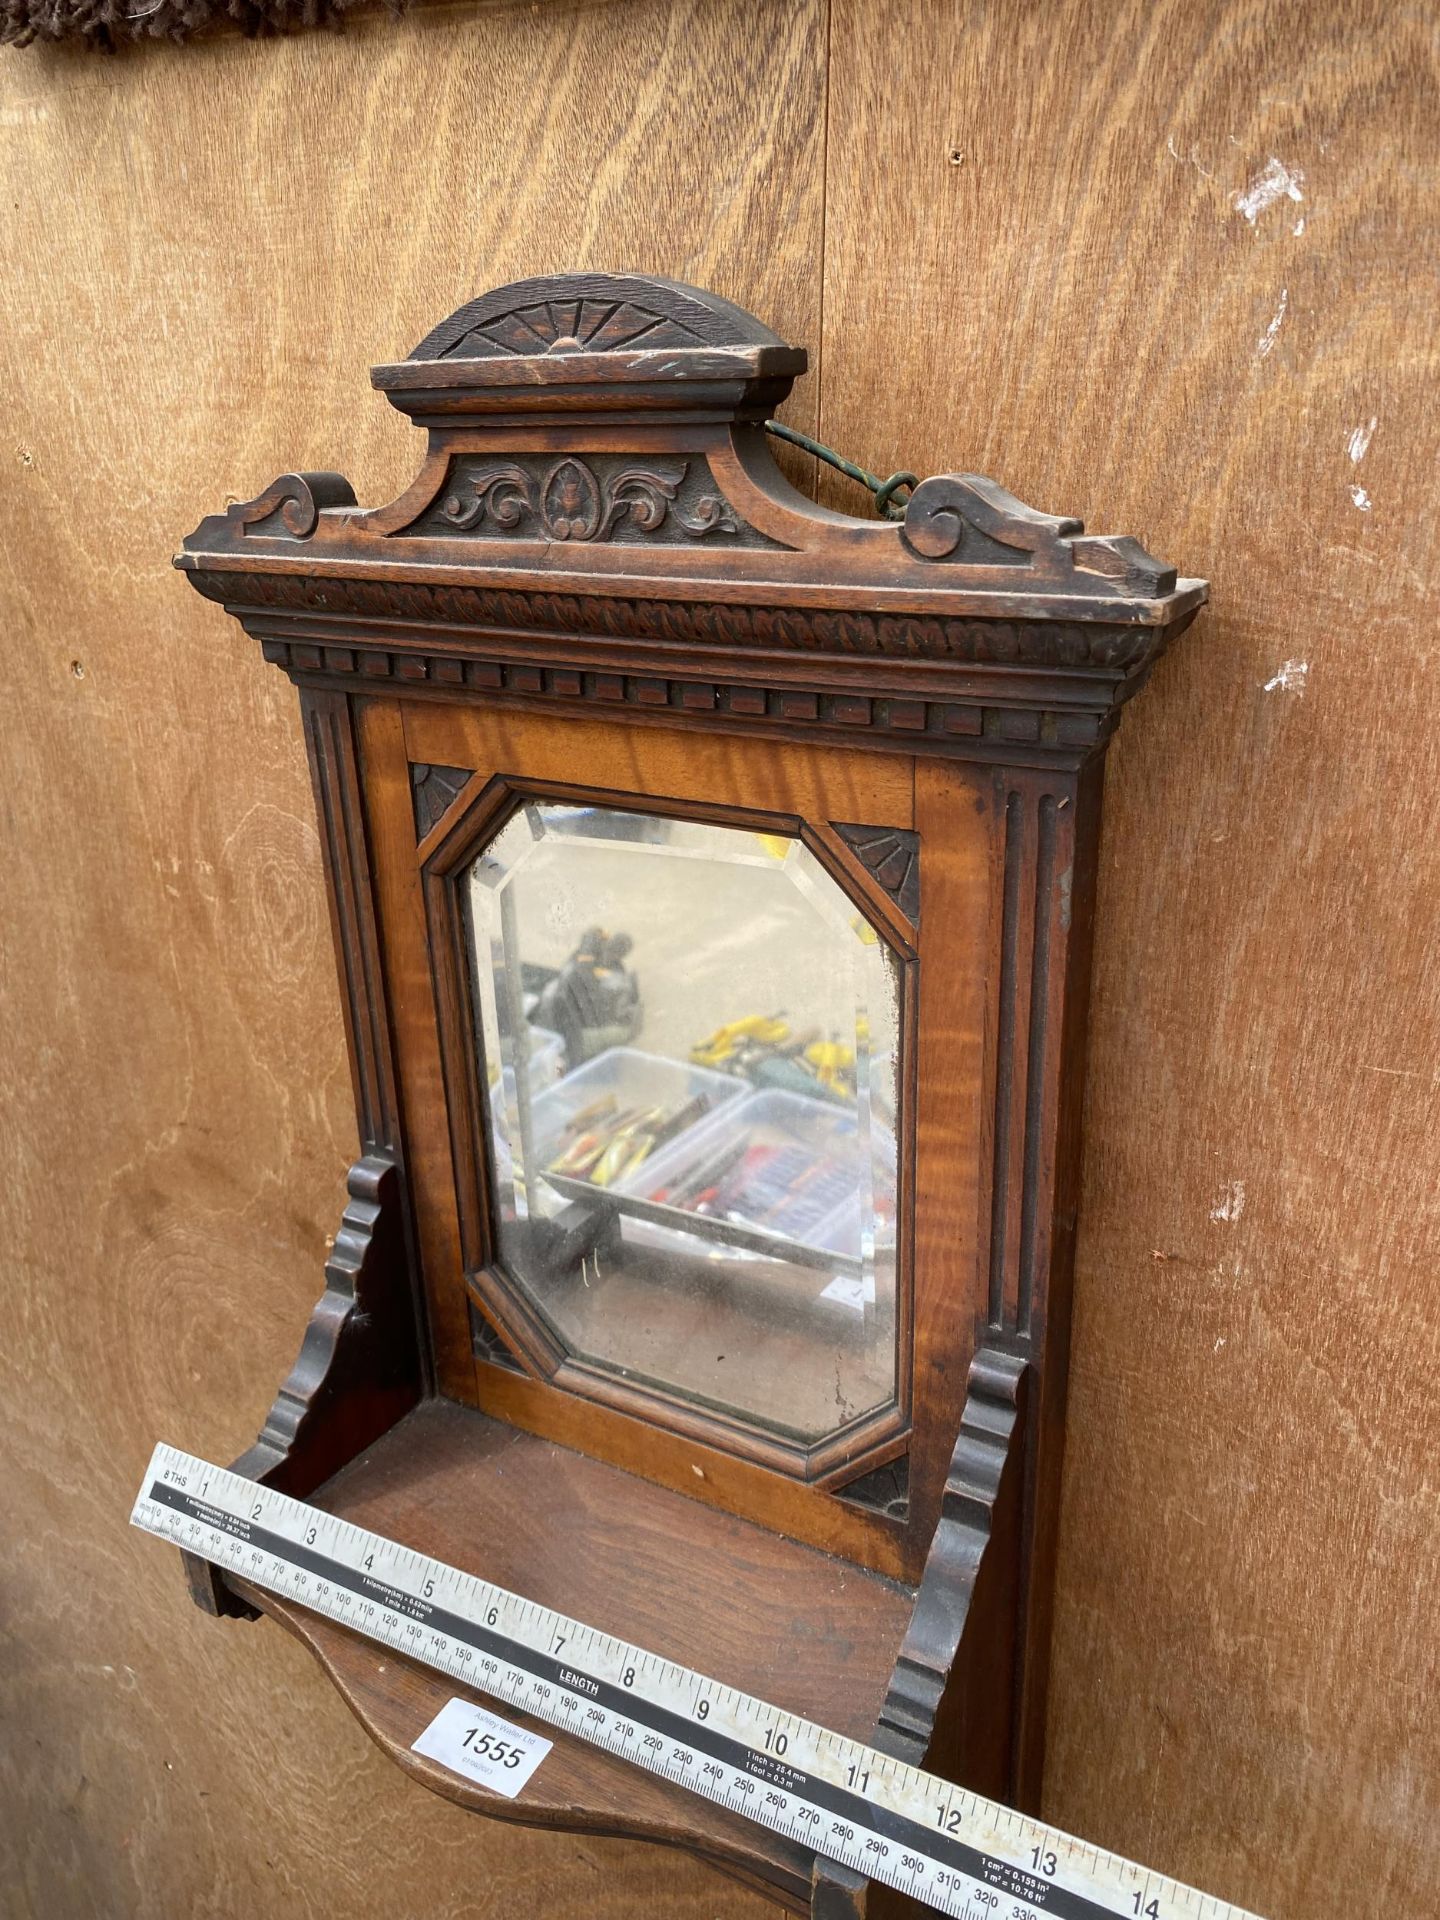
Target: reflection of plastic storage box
635	1079
546	1063
547	1058
805	1187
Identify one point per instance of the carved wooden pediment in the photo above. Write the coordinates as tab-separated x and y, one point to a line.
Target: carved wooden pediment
598	465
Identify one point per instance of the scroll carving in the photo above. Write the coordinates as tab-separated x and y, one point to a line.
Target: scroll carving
967	519
347	1346
291	505
582	500
942	1709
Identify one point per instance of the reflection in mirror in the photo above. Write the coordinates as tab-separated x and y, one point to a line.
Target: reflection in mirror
689	1038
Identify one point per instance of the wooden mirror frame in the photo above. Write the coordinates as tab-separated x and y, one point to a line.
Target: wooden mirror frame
600	584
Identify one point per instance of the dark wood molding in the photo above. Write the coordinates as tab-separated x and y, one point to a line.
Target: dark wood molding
330	741
890	710
1108	639
953	1646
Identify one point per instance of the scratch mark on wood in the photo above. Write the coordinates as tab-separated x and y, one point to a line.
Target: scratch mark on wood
1268	338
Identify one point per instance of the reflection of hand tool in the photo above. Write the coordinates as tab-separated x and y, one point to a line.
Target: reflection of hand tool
763	1049
727	1043
833	1065
586	1145
604	1143
699	1176
627	1147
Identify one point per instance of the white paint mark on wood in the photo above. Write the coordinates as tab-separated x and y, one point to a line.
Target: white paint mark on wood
1299	227
1231	1203
1290	678
1358	444
1361	499
1271	333
1275	182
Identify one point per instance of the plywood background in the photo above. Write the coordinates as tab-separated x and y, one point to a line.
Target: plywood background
1166	265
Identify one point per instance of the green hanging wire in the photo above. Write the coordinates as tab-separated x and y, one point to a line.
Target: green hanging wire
887	505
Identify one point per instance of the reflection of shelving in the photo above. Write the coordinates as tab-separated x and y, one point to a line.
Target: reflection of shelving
704	1230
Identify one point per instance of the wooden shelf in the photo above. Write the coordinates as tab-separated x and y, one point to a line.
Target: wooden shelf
814	1634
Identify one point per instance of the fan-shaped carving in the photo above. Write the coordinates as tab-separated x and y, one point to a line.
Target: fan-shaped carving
432	791
893	856
590	313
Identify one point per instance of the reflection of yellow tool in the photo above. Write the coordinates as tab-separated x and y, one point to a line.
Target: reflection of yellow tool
758	1029
833	1064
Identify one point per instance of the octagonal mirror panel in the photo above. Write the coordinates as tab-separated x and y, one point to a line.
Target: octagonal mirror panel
688	1039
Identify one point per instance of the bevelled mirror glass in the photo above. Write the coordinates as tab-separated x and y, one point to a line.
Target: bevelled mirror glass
688	1036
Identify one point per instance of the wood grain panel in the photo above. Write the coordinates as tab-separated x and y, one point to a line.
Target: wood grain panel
1171	267
871	787
205	250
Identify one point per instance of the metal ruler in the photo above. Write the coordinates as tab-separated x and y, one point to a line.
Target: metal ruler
948	1848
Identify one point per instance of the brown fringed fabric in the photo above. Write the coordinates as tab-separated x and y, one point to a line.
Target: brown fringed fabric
108	25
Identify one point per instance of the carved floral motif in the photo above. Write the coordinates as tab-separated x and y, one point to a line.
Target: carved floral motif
572	502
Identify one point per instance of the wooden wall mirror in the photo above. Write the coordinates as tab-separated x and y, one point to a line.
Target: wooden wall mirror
711	878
